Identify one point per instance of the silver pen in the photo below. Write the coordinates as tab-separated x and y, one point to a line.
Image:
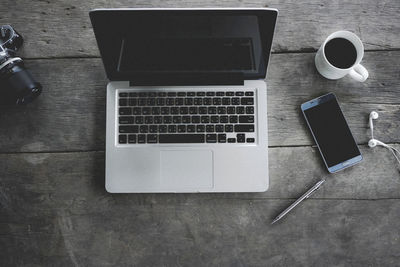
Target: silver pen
300	199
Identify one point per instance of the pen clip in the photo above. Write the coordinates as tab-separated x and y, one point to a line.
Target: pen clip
316	189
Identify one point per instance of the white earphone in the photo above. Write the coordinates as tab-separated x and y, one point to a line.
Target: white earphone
374	142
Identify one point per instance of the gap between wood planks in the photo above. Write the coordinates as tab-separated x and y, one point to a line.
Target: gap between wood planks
102	151
305	51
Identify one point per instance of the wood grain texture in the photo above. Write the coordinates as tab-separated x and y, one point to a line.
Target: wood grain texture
70	114
217	232
62	28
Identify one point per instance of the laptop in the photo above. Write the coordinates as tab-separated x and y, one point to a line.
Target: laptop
187	100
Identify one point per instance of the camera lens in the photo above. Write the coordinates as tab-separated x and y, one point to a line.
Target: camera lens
18	85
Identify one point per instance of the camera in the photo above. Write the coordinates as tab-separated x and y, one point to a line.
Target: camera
17	86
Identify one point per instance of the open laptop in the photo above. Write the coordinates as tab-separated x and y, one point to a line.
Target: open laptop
187	100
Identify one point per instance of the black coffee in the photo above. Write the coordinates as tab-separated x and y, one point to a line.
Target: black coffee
341	53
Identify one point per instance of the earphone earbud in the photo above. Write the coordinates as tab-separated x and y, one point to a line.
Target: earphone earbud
373	142
372	116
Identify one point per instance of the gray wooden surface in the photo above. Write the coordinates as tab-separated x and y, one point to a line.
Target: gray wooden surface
54	210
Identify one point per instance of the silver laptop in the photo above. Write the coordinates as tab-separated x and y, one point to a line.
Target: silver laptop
187	100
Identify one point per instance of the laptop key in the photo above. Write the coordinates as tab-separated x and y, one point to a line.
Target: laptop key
132	101
250	140
241	138
212	110
231	140
249	110
141	139
190	128
167	119
158	119
180	138
139	119
223	119
122	139
123	102
222	138
230	110
123	94
148	119
181	128
195	119
126	120
185	119
239	110
155	110
205	119
246	119
244	128
233	119
137	111
200	128
202	110
249	93
144	128
214	119
128	129
247	101
151	138
210	128
229	128
235	101
162	128
219	128
132	139
226	101
125	111
211	138
172	128
176	119
174	110
153	129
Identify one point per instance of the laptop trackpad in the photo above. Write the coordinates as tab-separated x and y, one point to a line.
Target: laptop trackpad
187	170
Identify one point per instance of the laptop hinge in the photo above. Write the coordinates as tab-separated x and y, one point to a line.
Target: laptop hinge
187	79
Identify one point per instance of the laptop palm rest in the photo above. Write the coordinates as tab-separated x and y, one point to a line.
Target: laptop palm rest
187	170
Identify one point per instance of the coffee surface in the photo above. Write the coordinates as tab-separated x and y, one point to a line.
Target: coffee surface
341	53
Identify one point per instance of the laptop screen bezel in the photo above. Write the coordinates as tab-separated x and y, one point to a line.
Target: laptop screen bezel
99	17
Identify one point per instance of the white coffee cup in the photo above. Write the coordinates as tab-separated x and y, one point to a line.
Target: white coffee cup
357	71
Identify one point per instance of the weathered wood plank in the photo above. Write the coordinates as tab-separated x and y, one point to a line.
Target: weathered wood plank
46	179
62	28
208	232
70	114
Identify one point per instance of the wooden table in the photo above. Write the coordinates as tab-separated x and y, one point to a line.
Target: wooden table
54	210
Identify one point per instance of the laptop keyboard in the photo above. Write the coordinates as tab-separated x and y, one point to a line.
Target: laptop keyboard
186	117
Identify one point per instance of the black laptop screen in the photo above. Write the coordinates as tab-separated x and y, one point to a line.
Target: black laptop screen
143	42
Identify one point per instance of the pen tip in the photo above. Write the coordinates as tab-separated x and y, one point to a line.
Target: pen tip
274	221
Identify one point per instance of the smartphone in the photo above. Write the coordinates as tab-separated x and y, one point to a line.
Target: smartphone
331	132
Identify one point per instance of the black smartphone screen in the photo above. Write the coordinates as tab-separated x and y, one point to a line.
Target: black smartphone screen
331	132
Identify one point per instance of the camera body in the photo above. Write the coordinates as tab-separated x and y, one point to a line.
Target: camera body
17	86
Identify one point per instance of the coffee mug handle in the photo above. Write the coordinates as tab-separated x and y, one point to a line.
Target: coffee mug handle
359	73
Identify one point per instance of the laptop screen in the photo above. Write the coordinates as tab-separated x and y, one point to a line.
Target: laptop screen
154	42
